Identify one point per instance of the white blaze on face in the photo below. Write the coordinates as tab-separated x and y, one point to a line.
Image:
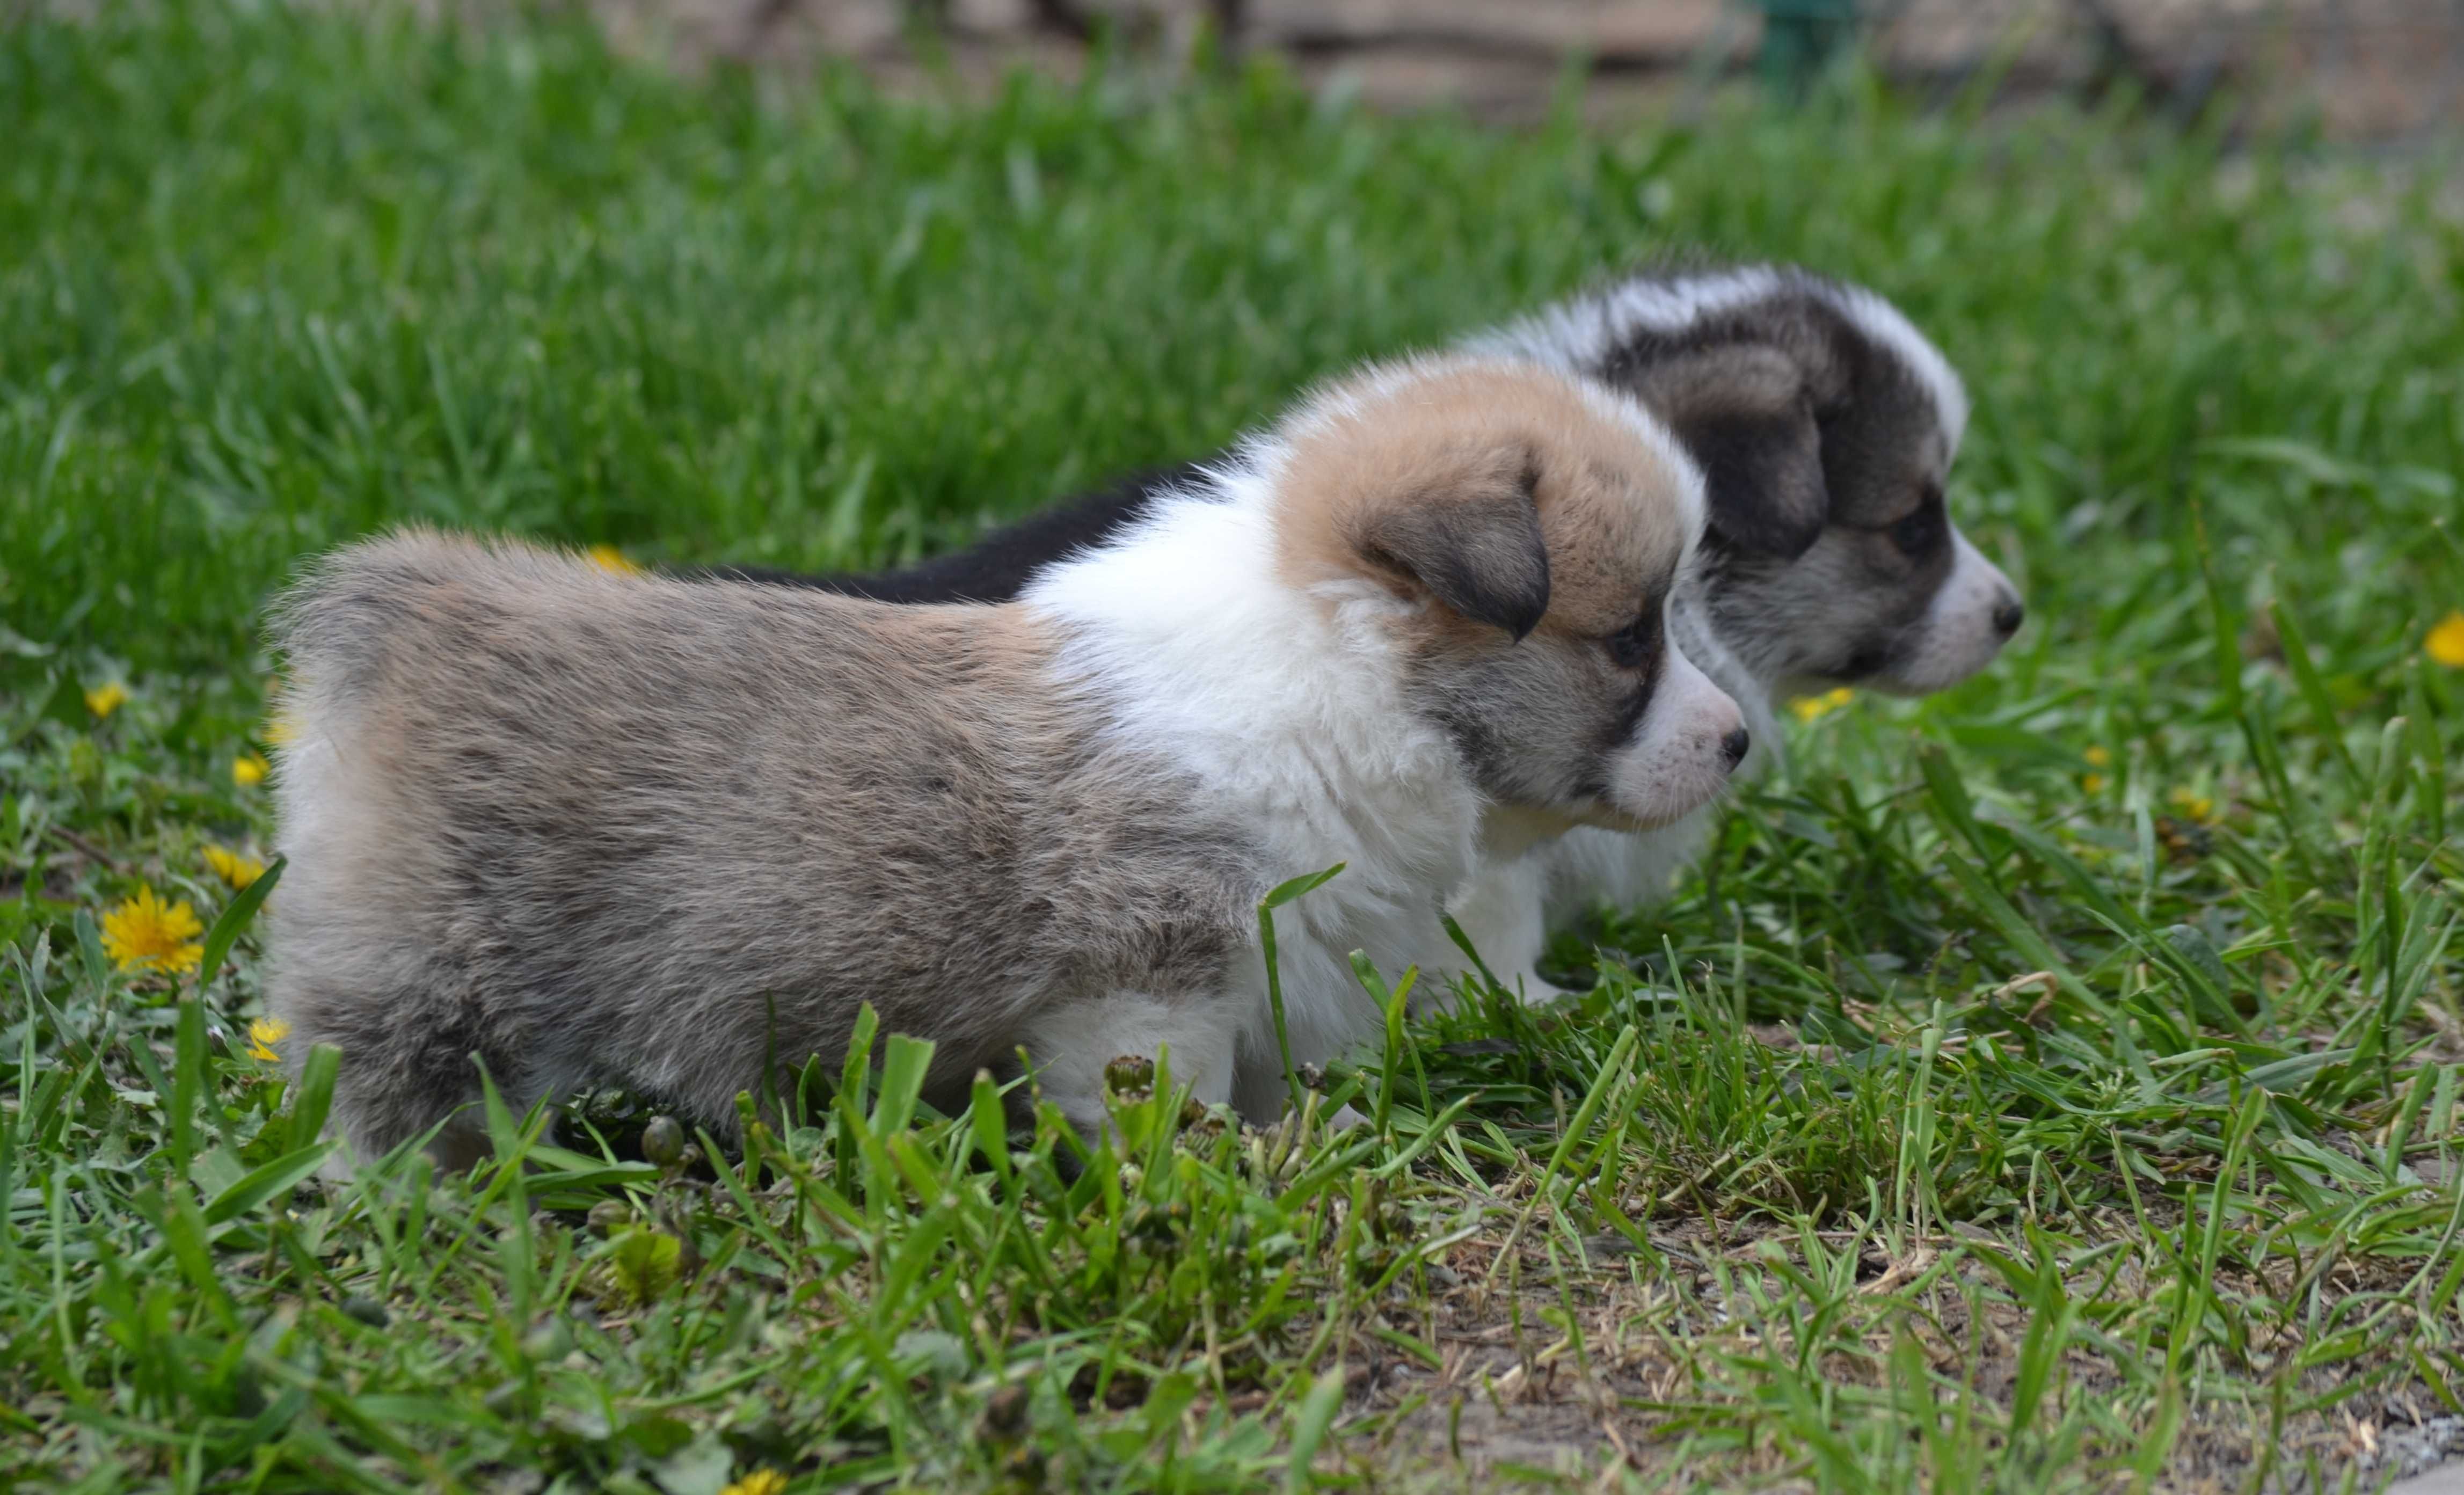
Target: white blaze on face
1678	759
1961	633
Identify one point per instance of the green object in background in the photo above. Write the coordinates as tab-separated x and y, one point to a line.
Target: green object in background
1799	39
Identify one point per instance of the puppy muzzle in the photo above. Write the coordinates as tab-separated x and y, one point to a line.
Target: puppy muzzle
1690	739
1973	615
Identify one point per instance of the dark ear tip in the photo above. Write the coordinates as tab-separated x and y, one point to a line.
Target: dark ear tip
1763	534
1518	612
1521	613
1795	543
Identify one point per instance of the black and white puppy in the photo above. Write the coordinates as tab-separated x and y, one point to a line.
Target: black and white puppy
1824	423
599	827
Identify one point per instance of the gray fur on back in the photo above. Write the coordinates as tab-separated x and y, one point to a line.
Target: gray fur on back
611	828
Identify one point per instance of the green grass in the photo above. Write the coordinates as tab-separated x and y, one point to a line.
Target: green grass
1983	1116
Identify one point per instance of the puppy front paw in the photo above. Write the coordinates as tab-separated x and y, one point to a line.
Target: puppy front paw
1345	1119
1530	990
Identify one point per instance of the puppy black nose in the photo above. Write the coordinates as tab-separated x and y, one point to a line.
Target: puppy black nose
1735	744
2008	617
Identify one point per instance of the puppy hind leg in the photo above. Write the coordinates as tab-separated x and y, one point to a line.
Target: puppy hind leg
374	1120
395	1086
375	1113
1069	1046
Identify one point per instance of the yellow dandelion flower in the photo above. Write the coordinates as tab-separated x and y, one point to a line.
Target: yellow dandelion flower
2446	642
279	729
143	934
262	1035
235	867
1814	708
249	769
761	1481
104	699
2098	756
2193	805
608	558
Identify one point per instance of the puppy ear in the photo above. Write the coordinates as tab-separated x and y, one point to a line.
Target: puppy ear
1475	543
1746	415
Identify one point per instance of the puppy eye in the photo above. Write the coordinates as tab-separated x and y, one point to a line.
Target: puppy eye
1917	534
1633	645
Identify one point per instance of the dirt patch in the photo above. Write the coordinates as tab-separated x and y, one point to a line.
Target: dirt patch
1551	1368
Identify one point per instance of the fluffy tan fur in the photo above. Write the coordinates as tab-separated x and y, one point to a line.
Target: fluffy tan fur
1610	509
587	827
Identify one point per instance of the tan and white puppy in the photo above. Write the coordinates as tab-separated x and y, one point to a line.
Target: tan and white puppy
593	827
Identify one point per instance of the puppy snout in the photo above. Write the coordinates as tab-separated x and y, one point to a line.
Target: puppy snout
1734	745
2009	614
